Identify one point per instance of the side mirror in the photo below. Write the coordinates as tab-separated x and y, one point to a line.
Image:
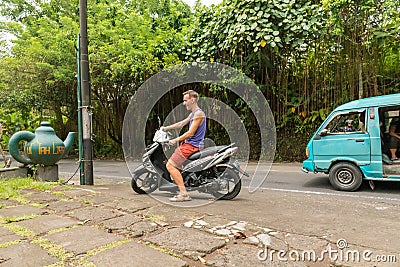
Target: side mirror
324	132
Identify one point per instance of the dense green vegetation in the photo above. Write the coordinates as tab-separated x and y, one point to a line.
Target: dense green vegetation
306	56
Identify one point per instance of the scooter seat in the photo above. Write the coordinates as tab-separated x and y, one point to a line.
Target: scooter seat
205	152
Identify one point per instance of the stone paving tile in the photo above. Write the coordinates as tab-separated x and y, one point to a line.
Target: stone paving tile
64	206
8	202
170	213
79	192
25	254
24	191
119	190
187	240
140	228
121	222
99	198
82	239
237	255
134	254
128	205
93	214
110	202
7	236
46	223
41	197
21	211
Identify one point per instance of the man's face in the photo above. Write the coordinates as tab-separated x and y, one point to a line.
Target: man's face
188	102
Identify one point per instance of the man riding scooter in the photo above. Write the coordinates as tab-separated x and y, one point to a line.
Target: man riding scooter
190	142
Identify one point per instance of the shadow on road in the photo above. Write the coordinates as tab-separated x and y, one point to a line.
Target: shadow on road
383	187
322	182
318	182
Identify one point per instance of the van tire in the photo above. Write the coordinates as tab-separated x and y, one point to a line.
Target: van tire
345	176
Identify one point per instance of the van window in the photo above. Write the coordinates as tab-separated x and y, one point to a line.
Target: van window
389	126
345	123
388	117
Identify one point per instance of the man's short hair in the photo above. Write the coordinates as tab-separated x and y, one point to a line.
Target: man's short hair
192	94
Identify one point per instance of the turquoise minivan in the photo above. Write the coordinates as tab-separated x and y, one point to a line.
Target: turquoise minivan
358	141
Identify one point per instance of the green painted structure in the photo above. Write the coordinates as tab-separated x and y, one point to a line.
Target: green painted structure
42	147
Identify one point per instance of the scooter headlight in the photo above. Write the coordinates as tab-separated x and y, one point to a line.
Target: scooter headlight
307	152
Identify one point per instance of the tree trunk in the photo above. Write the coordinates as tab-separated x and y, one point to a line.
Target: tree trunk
360	72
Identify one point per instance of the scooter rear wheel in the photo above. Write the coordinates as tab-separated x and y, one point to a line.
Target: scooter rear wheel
233	184
144	182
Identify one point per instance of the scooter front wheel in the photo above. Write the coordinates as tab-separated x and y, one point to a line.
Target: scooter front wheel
144	182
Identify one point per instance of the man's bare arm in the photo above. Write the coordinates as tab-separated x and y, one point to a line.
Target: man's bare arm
392	132
178	125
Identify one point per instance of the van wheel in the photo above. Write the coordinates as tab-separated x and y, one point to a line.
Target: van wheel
345	177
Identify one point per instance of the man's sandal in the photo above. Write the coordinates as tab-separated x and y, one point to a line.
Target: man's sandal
180	198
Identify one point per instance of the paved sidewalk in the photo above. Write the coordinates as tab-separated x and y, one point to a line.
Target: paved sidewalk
109	225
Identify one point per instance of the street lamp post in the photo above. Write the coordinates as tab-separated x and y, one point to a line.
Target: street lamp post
85	107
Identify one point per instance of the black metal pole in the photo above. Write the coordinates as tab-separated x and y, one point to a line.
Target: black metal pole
86	105
79	97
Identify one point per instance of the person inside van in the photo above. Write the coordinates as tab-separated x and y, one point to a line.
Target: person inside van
361	122
394	141
348	127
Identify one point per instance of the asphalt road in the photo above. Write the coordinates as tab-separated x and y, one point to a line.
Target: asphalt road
281	177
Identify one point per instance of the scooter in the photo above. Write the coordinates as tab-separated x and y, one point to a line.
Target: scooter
211	170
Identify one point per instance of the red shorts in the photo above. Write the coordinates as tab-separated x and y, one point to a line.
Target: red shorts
181	153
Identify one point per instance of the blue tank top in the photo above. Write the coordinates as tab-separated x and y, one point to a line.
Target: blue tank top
197	139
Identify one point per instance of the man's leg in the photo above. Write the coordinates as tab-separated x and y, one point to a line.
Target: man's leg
393	152
177	176
393	143
174	165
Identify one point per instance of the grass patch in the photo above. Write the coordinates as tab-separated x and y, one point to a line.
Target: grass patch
58	193
38	205
68	260
9	188
106	247
19	230
53	249
18	219
156	218
59	230
61	186
79	262
86	201
7	244
164	250
20	199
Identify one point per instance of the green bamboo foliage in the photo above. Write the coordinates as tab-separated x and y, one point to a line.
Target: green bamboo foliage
307	57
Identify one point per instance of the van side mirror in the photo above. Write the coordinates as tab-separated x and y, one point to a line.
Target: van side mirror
324	132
